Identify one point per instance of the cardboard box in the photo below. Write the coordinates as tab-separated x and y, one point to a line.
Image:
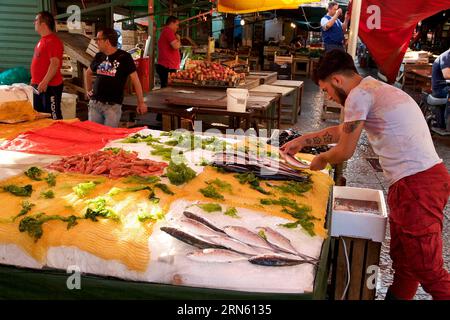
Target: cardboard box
365	225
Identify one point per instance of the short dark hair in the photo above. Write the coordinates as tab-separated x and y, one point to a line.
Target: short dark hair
47	18
334	61
171	19
111	35
331	4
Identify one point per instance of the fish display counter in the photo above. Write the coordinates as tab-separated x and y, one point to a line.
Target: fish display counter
166	215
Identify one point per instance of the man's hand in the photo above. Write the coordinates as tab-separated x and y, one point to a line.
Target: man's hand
141	107
338	12
318	163
347	16
89	94
293	147
42	87
178	37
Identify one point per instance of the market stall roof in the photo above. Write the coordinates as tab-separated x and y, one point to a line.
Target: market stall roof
231	6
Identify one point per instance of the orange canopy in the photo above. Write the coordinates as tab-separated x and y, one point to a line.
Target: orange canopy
247	6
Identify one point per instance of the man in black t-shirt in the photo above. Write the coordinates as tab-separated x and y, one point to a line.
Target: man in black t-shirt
112	67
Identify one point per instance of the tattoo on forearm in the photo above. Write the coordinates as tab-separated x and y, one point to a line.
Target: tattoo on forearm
327	138
349	127
308	142
317	140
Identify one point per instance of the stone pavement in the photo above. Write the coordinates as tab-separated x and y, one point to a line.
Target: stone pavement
359	173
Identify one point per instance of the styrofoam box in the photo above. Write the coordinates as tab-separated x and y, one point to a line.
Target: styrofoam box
359	224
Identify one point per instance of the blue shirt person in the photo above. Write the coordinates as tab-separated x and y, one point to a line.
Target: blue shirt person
441	73
332	28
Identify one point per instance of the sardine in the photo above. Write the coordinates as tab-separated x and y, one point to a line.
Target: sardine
277	240
197	228
280	242
189	238
275	260
246	236
202	220
215	255
234	245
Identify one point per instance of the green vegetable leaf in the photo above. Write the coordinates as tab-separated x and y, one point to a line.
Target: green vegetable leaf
232	212
262	234
179	173
19	191
51	179
211	192
33	224
34	173
48	194
84	188
210	207
222	185
164	188
115	150
142	180
98	208
26	207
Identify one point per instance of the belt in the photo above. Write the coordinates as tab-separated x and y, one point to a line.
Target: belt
105	102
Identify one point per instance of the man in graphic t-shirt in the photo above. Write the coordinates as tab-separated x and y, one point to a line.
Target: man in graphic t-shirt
46	67
112	67
332	28
419	181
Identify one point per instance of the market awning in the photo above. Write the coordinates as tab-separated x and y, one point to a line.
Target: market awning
388	40
232	6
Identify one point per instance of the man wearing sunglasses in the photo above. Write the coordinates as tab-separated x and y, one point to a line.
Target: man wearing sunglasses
112	67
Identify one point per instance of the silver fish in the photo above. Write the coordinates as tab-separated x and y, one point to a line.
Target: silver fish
277	240
280	242
234	245
246	236
197	228
215	255
275	260
202	220
189	238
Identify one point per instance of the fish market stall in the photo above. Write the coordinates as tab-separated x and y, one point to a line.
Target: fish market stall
152	214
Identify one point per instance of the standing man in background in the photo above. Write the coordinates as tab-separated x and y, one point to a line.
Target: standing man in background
112	67
46	67
333	29
168	50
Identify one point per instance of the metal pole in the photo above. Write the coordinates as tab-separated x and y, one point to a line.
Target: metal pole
151	32
95	8
354	26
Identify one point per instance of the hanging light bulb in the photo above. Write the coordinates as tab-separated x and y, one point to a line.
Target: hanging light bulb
293	25
242	22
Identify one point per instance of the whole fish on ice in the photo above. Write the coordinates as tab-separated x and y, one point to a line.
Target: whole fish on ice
189	238
246	236
202	220
215	256
234	245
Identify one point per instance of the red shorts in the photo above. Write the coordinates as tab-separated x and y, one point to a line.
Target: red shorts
416	206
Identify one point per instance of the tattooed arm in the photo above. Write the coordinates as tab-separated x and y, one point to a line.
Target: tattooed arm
323	137
350	133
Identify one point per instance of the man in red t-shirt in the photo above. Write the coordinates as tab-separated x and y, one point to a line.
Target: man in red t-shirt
168	50
46	67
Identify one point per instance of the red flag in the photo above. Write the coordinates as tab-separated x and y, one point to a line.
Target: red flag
386	28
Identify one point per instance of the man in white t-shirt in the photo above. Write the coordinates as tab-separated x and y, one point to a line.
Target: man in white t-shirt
419	181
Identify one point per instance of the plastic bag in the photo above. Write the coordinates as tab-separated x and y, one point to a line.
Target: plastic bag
15	75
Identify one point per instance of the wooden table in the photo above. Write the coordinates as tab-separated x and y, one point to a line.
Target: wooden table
293	84
423	76
177	103
285	92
